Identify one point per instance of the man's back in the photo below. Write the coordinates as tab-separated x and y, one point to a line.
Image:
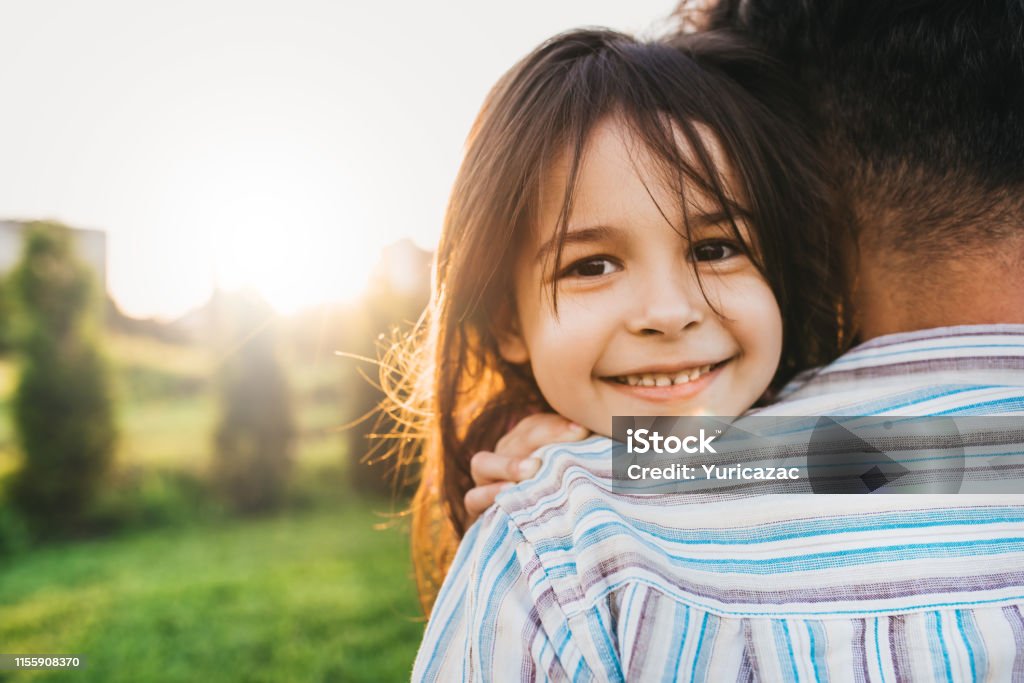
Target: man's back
567	579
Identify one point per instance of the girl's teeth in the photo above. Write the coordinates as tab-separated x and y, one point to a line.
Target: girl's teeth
665	380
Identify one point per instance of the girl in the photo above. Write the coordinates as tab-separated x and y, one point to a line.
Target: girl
636	229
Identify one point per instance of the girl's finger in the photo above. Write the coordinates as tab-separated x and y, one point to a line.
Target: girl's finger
482	497
535	431
486	468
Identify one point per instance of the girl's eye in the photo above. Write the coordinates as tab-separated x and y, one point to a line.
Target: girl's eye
591	267
714	251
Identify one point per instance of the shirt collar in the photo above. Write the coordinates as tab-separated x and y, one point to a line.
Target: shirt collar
957	348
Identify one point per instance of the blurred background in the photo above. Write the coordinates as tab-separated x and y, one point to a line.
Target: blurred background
210	214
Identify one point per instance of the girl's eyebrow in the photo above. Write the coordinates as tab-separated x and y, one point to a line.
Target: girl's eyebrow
702	220
595	233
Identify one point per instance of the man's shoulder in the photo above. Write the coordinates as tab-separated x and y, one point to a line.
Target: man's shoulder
571	474
569	514
583	542
974	368
587	536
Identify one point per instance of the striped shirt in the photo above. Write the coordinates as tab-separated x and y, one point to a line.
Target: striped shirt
564	579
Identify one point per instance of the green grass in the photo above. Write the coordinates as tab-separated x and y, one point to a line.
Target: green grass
167	432
318	596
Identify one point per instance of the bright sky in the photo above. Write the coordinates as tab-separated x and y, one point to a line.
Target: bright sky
274	144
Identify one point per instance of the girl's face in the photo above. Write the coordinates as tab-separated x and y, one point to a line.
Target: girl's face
634	333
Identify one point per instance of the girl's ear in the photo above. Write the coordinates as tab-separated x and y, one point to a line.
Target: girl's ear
511	344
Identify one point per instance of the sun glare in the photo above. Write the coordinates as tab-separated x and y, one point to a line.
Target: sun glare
292	271
276	222
294	264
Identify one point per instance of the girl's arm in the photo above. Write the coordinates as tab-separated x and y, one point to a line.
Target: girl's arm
510	462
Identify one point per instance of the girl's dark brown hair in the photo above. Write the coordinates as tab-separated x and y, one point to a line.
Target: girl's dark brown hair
448	385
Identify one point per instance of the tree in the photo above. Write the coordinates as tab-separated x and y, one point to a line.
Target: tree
254	437
63	410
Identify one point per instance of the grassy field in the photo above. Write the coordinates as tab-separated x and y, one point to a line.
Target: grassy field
186	594
316	596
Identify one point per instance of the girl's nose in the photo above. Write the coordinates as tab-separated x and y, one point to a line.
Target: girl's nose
668	305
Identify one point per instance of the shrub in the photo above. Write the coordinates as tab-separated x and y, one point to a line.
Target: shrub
14	536
141	498
254	438
62	406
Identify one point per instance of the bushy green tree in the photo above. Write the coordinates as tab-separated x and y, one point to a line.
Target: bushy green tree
63	410
254	437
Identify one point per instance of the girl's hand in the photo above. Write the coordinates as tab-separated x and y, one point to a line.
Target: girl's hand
510	462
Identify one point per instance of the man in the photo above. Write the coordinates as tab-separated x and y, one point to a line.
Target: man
922	108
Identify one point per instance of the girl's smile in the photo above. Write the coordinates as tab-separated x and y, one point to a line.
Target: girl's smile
663	376
648	321
668	385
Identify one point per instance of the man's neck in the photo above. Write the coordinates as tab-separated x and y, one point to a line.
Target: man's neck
937	292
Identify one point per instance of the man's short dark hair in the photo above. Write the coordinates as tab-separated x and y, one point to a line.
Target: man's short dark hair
921	104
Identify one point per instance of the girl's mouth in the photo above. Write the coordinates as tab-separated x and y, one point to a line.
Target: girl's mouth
671	387
657	379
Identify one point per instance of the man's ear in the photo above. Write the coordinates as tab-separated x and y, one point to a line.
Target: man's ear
511	344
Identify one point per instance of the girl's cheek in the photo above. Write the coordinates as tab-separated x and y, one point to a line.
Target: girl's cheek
747	294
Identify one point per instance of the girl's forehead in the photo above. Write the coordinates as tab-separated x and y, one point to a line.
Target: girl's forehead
617	156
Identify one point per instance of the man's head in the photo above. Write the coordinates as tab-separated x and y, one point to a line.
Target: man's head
922	113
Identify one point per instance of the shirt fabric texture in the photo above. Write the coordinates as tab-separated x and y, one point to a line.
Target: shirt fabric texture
565	580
